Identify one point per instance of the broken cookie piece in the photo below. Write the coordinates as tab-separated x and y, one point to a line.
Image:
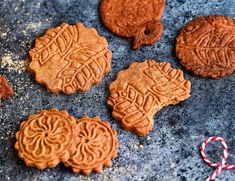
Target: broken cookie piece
5	89
96	146
142	90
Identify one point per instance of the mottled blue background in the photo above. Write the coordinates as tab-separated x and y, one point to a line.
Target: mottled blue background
170	152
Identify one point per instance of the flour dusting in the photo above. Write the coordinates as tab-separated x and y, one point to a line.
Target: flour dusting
15	65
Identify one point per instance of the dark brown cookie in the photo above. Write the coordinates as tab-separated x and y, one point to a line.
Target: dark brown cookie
5	89
139	20
206	46
144	89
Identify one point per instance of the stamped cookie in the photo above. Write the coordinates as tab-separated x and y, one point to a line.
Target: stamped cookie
139	20
96	146
142	90
5	89
70	58
206	46
46	138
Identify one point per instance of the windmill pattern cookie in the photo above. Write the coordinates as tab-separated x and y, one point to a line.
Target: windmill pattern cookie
96	146
139	20
5	89
142	90
46	138
206	46
70	58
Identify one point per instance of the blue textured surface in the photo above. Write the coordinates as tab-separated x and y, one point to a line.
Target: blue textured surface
170	152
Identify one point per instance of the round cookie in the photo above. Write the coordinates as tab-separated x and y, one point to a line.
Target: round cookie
206	46
96	146
70	58
142	90
46	138
139	20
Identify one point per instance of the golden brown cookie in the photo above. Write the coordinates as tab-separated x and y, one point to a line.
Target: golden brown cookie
206	46
96	146
46	138
142	90
5	89
70	58
139	20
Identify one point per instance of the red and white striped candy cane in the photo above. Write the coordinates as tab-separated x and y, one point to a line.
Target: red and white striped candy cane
220	166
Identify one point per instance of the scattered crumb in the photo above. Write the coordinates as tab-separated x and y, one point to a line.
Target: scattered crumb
34	26
135	146
24	32
18	66
2	35
173	165
139	146
149	138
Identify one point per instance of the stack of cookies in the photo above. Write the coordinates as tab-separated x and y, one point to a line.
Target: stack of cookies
51	136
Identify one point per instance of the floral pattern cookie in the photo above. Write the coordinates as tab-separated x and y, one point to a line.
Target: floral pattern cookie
96	146
46	138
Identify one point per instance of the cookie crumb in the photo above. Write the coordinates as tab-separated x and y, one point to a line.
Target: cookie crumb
34	26
2	35
138	146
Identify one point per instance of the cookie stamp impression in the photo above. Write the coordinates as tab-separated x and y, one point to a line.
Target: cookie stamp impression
142	90
96	146
46	138
139	20
5	89
206	46
70	58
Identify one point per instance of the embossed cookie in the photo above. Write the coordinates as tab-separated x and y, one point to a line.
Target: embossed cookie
46	138
139	20
142	90
70	58
5	89
96	146
206	46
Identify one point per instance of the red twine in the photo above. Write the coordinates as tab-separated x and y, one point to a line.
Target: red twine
220	166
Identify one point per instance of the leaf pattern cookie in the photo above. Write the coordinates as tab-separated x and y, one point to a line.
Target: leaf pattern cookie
70	58
142	90
96	146
5	89
206	46
46	138
139	20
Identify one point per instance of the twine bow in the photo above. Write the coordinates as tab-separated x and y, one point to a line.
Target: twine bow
220	166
